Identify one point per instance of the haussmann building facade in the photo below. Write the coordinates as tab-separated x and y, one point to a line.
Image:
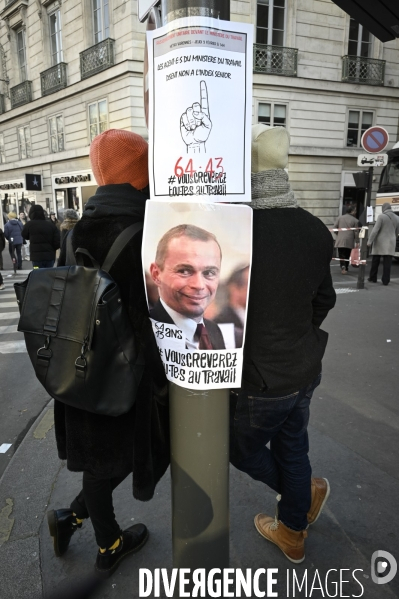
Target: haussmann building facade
71	69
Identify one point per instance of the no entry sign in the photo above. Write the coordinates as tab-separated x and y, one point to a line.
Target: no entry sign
375	140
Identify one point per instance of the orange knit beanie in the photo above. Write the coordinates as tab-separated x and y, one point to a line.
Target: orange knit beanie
119	156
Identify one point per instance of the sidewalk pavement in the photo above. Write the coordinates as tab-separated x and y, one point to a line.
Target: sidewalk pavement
354	438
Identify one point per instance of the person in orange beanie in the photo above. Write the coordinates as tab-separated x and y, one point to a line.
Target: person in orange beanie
106	448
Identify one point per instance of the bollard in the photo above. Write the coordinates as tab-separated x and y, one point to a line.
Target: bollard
199	426
200	477
363	245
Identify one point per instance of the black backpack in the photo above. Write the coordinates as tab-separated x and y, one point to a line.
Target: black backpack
78	333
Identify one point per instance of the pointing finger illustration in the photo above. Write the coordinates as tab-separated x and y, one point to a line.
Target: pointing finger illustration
204	98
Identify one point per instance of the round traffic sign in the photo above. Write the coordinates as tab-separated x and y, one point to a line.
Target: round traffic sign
375	140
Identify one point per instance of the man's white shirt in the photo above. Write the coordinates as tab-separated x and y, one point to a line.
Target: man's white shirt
187	325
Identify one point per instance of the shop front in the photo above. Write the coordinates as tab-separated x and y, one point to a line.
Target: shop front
15	198
72	190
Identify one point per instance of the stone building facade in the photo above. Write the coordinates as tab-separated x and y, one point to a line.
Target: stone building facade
69	69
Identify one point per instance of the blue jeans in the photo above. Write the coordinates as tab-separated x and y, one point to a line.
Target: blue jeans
259	418
43	264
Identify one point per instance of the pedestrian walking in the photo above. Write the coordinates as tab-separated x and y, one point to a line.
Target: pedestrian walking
25	246
71	217
43	236
54	220
346	240
13	233
2	246
383	241
105	448
290	295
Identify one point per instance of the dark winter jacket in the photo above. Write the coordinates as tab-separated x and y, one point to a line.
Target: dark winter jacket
44	239
138	441
13	230
290	294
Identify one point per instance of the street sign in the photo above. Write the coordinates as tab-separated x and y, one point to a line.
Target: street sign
376	160
33	182
375	140
144	7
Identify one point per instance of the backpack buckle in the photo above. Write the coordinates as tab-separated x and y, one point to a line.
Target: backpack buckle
81	363
45	351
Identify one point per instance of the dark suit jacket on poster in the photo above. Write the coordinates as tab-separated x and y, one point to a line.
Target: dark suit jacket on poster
159	313
228	315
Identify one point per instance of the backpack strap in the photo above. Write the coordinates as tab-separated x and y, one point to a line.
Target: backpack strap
119	244
70	254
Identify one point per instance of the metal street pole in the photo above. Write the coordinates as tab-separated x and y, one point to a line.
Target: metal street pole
363	244
199	426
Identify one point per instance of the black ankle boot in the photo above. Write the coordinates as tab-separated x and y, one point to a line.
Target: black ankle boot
133	539
62	525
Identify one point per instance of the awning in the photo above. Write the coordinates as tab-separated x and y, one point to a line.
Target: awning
380	17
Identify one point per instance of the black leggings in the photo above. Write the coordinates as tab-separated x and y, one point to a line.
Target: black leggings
344	254
16	248
95	502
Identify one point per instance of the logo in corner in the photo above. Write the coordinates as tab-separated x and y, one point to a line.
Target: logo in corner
383	567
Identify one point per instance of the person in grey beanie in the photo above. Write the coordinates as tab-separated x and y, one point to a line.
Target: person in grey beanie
71	217
383	241
290	295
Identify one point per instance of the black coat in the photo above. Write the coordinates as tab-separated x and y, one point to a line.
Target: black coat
139	440
2	240
290	295
44	239
159	314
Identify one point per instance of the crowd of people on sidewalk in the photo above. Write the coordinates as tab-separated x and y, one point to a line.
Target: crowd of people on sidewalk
35	237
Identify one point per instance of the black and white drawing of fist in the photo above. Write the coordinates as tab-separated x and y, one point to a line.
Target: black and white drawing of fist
195	124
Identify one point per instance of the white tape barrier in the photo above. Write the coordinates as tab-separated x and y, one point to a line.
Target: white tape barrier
349	229
348	260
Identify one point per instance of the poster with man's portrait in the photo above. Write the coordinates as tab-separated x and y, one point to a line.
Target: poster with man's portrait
197	262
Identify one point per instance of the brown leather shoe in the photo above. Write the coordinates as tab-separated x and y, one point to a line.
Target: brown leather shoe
291	542
320	494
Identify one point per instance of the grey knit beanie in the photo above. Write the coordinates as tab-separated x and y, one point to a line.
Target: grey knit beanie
71	214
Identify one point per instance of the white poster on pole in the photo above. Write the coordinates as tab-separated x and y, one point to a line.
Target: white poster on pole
196	261
200	109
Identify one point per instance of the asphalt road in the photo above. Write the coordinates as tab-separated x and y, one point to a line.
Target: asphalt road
354	436
21	396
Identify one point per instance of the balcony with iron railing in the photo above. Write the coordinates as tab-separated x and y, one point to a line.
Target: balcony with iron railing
54	79
13	5
367	71
275	60
21	94
97	58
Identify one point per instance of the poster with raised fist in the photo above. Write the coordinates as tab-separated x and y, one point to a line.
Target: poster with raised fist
200	106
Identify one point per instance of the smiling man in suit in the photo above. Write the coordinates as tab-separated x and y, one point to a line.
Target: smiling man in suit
187	272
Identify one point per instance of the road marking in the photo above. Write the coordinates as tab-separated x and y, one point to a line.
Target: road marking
9	315
12	347
7	295
44	425
6	523
347	290
8	304
5	447
9	328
